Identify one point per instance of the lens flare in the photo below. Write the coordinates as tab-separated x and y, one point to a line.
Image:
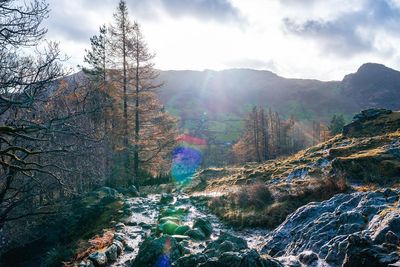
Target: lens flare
187	157
163	260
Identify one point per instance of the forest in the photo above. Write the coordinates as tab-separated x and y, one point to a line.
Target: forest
100	167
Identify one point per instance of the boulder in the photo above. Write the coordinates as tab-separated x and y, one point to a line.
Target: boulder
226	246
120	237
323	229
180	238
86	263
112	253
166	198
252	259
119	245
361	252
181	230
229	259
227	242
204	225
132	191
190	260
99	259
169	218
246	258
157	251
120	226
107	192
196	234
169	227
308	257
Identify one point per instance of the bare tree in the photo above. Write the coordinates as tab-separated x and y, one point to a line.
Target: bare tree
122	35
24	81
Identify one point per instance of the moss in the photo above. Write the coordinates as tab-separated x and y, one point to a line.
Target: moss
89	216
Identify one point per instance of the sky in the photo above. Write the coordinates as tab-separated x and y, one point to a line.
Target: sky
318	39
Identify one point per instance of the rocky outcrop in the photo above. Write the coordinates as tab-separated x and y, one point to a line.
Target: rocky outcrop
227	251
351	229
372	122
158	252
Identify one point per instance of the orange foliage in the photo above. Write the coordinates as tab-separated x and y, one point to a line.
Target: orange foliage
96	243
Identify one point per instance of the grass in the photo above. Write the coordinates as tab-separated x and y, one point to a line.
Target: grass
258	205
362	159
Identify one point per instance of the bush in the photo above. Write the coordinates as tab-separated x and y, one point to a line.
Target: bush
256	195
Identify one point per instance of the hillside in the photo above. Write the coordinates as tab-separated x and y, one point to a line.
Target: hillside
367	153
224	97
335	203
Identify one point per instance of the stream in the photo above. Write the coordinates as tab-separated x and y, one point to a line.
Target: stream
144	215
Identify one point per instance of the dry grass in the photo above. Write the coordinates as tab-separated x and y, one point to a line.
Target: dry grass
94	244
258	205
366	187
256	195
362	159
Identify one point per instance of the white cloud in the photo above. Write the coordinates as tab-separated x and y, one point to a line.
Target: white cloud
205	34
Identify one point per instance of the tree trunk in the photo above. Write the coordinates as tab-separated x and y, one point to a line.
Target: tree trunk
137	122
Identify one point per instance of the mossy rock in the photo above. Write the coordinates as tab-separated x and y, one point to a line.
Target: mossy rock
172	211
196	234
204	225
169	227
181	230
180	238
169	218
152	252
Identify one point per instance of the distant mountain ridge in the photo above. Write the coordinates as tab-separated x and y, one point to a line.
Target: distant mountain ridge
220	100
229	94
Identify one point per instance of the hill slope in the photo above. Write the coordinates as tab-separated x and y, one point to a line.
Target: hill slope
323	202
367	153
224	97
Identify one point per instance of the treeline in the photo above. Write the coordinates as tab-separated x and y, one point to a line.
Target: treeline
268	136
61	136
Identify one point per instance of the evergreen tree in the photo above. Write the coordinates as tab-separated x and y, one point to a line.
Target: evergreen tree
337	124
96	57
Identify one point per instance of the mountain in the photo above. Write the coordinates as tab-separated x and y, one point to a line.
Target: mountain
373	85
224	97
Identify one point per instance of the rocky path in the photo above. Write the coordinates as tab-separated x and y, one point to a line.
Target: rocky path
353	229
143	214
136	227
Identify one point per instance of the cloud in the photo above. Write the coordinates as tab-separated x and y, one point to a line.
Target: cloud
73	19
353	31
218	10
336	37
214	10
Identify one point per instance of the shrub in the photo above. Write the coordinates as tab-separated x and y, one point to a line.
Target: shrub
255	195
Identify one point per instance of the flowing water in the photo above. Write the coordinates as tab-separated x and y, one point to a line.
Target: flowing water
145	212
